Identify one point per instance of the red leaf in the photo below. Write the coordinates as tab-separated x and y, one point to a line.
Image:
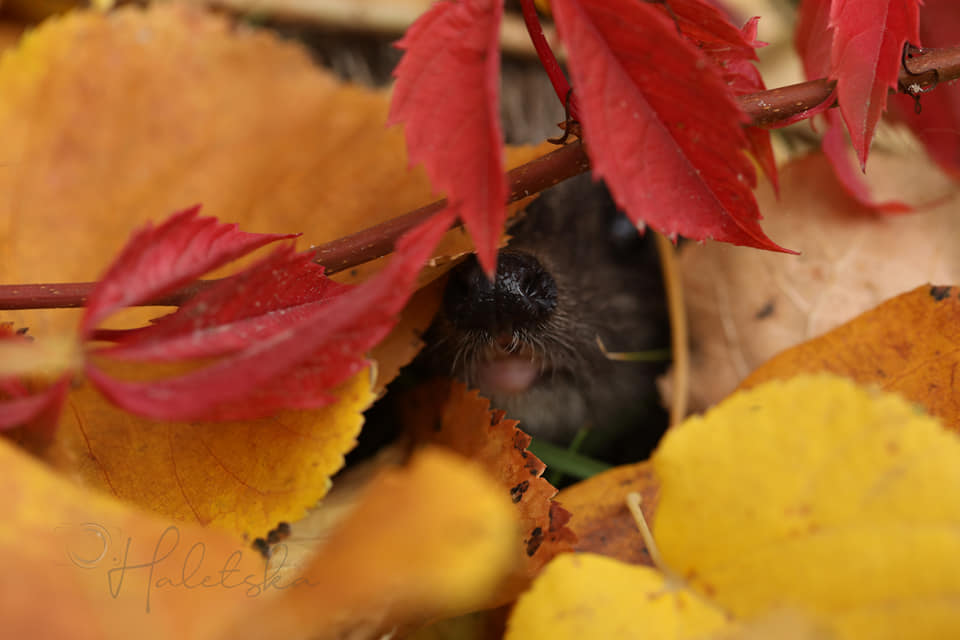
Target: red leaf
663	128
20	406
159	260
744	78
232	314
865	59
813	38
447	95
290	368
710	29
938	123
814	44
37	412
835	147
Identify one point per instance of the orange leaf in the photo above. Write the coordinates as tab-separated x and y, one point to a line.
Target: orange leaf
907	344
108	570
445	412
184	108
601	520
431	539
242	476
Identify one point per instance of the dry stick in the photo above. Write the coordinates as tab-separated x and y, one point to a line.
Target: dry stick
928	68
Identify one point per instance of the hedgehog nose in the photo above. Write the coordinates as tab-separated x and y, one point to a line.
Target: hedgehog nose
523	295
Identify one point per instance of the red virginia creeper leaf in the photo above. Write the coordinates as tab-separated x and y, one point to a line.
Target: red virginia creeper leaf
158	260
36	411
814	43
835	147
709	28
447	96
938	123
234	312
289	368
813	38
865	59
663	128
744	78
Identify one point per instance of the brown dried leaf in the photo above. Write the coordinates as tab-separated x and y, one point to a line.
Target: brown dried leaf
908	344
446	413
746	306
600	518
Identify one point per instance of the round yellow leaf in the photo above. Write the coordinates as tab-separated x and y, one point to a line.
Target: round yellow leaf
814	494
242	476
590	596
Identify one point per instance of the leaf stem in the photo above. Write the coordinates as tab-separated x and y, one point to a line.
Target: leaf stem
766	108
547	59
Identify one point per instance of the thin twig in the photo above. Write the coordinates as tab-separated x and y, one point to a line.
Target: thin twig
927	69
679	330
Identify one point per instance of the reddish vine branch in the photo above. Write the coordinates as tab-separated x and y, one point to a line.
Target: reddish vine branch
927	69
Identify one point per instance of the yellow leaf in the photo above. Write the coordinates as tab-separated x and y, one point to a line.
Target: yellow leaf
84	566
242	476
110	120
815	494
432	539
590	596
906	344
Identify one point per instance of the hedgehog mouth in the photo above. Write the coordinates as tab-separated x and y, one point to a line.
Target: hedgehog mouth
506	368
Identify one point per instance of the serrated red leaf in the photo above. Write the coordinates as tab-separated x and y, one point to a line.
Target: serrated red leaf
865	59
293	367
236	311
159	260
813	38
938	123
744	78
835	147
710	29
447	97
663	128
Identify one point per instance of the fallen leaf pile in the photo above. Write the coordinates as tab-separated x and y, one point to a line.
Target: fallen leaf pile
160	444
844	512
115	572
280	146
200	110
